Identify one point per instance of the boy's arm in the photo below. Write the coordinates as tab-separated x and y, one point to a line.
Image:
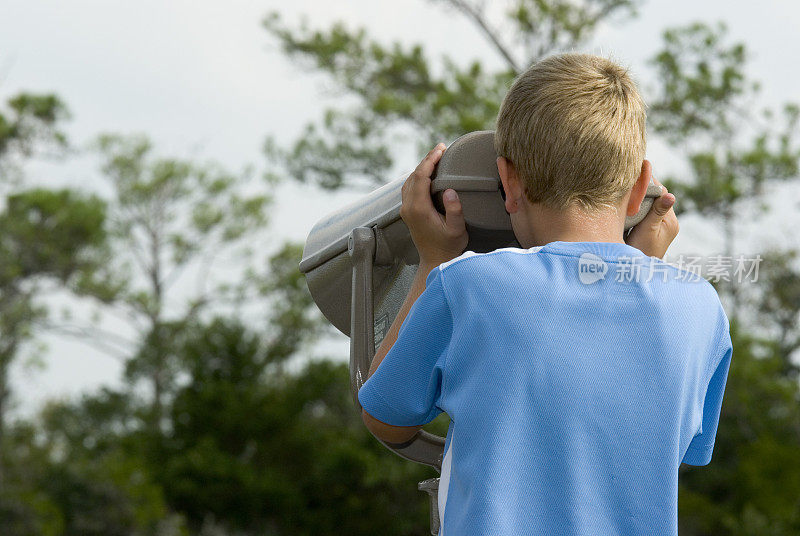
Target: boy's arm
381	430
438	239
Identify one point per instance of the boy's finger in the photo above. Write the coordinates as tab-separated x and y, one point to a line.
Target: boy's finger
661	207
453	214
425	168
421	185
663	204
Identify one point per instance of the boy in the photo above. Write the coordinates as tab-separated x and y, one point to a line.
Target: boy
578	371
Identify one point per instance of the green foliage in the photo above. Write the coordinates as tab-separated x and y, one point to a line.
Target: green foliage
778	304
269	451
396	82
396	87
752	485
46	237
346	145
25	509
173	205
548	26
704	105
31	122
249	449
167	215
294	321
105	496
724	176
45	233
56	487
700	81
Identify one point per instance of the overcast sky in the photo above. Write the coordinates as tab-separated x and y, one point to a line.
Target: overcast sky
203	79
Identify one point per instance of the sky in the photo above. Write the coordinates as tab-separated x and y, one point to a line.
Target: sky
204	80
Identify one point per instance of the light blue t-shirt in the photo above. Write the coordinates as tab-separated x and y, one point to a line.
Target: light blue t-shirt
577	377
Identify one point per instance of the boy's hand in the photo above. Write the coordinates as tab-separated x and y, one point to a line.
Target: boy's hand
438	238
658	229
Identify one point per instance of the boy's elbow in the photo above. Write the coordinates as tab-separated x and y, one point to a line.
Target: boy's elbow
386	432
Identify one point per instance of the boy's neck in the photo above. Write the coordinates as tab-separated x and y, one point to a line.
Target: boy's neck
540	225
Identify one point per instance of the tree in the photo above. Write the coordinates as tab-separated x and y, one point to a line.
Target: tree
258	450
250	447
30	125
166	215
63	483
49	239
704	106
778	305
753	483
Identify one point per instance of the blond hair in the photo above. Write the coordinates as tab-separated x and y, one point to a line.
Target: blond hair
573	125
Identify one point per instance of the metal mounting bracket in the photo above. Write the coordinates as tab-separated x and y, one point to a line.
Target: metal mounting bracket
424	447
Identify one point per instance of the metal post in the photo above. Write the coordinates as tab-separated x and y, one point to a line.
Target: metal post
431	487
361	246
423	447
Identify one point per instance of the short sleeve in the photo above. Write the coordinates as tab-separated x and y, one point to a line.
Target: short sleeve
406	388
702	445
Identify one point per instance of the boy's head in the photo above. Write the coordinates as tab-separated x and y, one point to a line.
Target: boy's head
573	126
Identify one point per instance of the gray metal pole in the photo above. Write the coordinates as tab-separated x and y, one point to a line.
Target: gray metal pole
424	447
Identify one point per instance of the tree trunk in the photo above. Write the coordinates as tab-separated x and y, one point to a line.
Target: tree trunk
157	378
3	395
729	245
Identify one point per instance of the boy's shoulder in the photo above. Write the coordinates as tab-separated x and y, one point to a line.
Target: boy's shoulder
625	265
473	271
473	258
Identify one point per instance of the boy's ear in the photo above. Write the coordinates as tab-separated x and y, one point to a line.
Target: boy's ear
511	183
639	189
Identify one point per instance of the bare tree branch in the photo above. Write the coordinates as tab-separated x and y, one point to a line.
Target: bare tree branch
99	338
479	19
